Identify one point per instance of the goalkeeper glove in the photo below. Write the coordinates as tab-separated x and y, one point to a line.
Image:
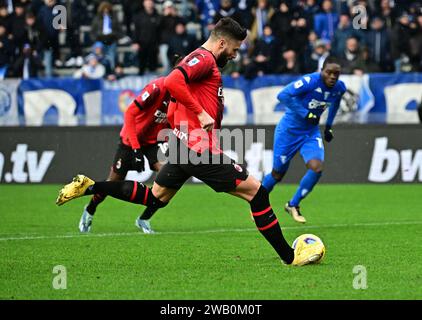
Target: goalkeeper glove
328	134
138	160
312	118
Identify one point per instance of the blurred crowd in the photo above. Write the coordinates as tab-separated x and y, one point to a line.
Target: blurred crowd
103	39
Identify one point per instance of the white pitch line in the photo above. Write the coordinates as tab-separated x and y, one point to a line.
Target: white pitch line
126	234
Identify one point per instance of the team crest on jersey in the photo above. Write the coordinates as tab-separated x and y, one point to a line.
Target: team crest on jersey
193	62
237	167
145	95
298	84
160	117
316	104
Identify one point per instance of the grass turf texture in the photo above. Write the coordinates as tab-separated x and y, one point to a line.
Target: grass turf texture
208	247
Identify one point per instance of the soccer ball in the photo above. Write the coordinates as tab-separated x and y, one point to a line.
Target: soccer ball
309	239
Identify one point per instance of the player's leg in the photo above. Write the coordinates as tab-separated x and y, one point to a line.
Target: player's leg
155	155
285	147
96	199
265	219
225	175
169	180
85	223
143	221
312	152
121	164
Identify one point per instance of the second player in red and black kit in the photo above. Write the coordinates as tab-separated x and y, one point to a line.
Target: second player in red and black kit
144	118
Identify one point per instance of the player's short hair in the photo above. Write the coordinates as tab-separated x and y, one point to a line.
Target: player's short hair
227	27
330	60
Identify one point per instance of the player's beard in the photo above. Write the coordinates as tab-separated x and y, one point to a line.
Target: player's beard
222	60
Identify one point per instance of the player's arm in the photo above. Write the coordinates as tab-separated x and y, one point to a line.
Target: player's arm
177	84
328	131
289	95
143	101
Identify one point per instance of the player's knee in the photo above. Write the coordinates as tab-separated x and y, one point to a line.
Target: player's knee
277	175
315	166
127	189
261	198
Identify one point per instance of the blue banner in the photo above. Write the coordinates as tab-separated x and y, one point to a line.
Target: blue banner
59	101
385	98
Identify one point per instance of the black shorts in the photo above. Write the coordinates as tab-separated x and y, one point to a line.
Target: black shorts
221	173
123	158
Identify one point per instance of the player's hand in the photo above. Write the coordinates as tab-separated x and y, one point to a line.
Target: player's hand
312	118
207	123
328	134
138	160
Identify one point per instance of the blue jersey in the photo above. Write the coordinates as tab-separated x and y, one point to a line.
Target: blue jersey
309	93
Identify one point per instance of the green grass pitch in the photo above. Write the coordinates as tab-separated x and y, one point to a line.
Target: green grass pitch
208	247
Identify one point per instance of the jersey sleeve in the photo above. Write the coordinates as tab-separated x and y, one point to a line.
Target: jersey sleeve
196	67
148	96
176	84
130	122
289	96
336	104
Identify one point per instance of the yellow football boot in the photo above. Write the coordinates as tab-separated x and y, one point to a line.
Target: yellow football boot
75	189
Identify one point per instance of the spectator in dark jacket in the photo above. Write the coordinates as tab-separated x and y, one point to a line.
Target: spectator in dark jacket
364	63
32	33
49	36
5	17
387	12
415	43
245	12
290	63
106	28
281	22
316	53
5	51
18	33
265	55
146	37
28	64
77	16
181	43
343	31
308	8
400	42
168	23
227	9
298	39
378	40
351	54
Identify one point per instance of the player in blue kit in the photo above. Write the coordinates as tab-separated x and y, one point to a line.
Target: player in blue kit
305	100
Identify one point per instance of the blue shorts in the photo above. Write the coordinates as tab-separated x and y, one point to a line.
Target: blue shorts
287	144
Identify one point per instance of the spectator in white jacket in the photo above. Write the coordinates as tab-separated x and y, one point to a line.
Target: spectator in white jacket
92	69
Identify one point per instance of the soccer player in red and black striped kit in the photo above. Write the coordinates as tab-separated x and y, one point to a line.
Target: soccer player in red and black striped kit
196	108
145	117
